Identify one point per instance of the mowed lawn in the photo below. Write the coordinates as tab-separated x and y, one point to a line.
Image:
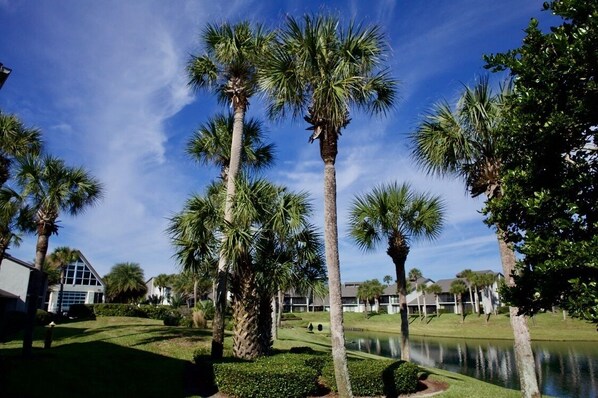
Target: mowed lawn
135	357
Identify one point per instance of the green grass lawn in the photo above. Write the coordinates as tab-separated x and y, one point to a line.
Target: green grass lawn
548	326
130	357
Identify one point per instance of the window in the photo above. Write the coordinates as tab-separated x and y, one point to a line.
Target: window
70	298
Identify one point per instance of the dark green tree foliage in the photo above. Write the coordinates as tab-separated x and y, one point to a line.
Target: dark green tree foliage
550	162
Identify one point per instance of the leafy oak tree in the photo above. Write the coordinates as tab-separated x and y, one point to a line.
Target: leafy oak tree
547	144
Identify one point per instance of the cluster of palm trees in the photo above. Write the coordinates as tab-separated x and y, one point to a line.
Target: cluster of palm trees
318	69
35	189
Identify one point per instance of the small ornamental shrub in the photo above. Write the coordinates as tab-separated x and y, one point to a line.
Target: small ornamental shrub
11	323
207	306
173	319
375	377
158	312
42	318
280	376
81	311
199	319
115	309
289	316
201	354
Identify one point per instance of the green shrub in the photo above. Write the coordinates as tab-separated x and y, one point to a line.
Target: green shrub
159	312
81	311
374	377
207	306
201	354
115	309
289	316
42	318
269	377
173	319
12	323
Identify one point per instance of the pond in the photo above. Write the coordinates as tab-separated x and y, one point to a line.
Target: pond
565	369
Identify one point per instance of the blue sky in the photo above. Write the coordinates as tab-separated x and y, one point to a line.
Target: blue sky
105	82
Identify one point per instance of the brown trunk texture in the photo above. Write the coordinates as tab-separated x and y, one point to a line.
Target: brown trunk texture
328	151
221	288
398	252
246	342
524	357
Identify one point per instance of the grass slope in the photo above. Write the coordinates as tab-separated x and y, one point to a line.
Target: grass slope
130	357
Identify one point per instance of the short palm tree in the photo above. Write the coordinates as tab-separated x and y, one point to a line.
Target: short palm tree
125	283
15	217
51	187
59	259
162	281
462	143
229	67
16	140
319	71
397	215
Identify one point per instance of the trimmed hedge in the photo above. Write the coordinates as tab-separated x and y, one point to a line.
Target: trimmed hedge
279	376
81	311
375	377
42	318
113	309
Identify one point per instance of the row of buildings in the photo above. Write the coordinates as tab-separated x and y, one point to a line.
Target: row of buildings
83	285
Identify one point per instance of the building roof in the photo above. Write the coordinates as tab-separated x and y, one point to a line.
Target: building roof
5	294
17	261
93	271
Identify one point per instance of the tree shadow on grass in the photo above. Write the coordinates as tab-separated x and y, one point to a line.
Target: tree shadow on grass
98	369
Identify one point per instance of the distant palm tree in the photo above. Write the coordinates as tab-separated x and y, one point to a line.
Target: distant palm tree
229	66
387	279
469	277
16	140
413	276
125	283
462	142
51	187
458	288
423	289
397	215
60	259
370	290
162	281
318	71
436	290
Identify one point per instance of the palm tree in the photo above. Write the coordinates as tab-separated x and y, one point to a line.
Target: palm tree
59	259
229	67
368	290
413	276
51	187
462	143
458	288
387	279
319	71
398	215
436	290
211	145
15	216
162	281
16	140
423	289
469	277
125	283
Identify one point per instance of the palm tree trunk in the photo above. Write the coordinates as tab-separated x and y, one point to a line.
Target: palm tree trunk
221	288
328	151
274	315
524	357
471	298
280	308
419	308
399	257
246	330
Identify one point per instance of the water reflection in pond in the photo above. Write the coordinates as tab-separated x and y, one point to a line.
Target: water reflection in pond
565	369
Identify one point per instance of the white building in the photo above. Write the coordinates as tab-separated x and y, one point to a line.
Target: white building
82	285
15	275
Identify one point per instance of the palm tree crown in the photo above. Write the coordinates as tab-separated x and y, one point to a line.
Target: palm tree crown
125	283
462	141
397	214
211	144
16	140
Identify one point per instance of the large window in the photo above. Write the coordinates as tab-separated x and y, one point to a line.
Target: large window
78	274
70	298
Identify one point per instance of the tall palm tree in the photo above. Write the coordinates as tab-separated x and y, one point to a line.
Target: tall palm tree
211	145
16	140
51	187
461	143
398	215
162	281
413	276
59	259
125	283
318	70
229	67
469	277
